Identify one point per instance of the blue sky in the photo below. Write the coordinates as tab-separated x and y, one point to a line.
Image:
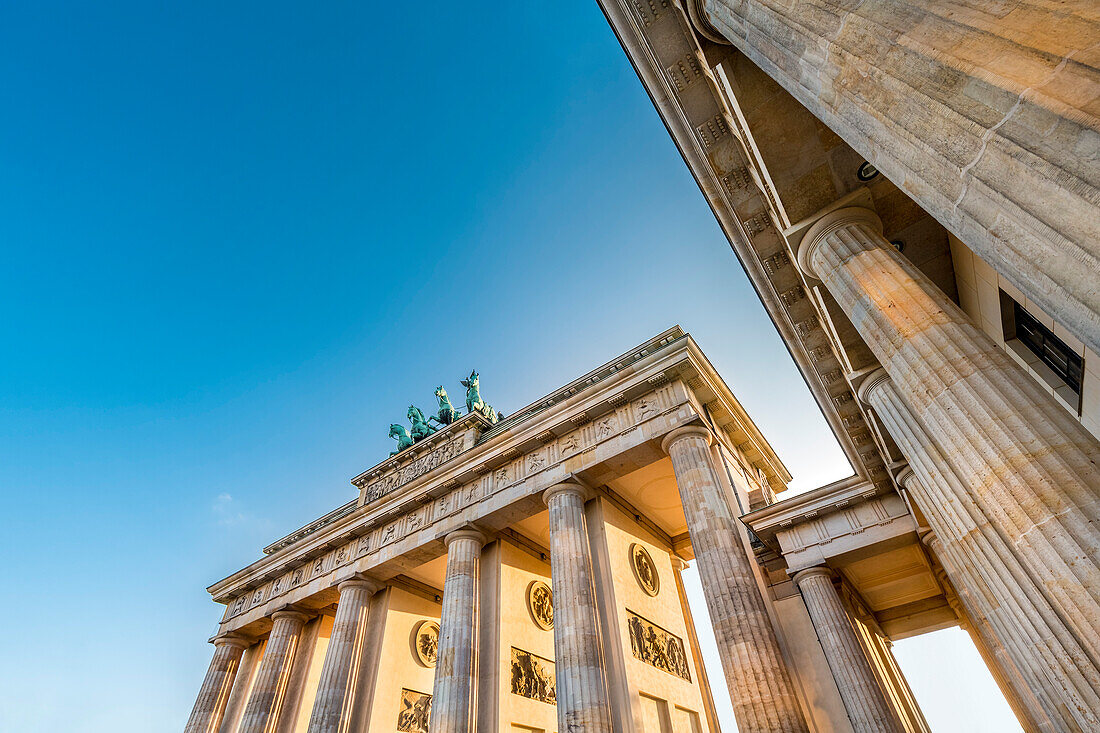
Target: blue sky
241	237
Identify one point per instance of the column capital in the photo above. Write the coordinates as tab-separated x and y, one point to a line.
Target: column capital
290	613
697	13
466	533
688	430
567	487
232	640
904	476
930	539
813	572
870	383
372	586
828	224
679	563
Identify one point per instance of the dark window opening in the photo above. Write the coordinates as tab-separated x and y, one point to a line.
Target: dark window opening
1049	348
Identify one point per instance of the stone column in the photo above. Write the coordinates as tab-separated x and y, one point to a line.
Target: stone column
975	111
1001	667
859	689
265	704
336	688
206	716
580	680
760	685
992	436
453	695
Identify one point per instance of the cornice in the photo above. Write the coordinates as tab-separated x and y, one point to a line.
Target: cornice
832	497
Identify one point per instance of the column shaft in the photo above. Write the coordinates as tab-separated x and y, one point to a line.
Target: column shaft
336	688
1020	468
1055	672
760	685
453	706
265	704
580	680
859	689
206	716
992	652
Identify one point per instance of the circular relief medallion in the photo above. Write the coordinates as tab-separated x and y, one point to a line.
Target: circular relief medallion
645	570
540	602
425	642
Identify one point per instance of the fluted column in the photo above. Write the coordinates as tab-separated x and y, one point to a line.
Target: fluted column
453	709
977	111
580	680
966	416
336	688
863	699
206	716
984	566
992	652
760	685
266	701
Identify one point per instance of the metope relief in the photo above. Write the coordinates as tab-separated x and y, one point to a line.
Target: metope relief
645	570
653	645
540	604
425	643
415	712
533	677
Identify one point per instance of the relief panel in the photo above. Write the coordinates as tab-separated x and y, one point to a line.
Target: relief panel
656	646
416	711
533	677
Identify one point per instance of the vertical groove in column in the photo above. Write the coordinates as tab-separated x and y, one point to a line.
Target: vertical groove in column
1055	670
583	703
206	716
1028	464
266	701
760	685
456	664
859	689
1018	474
1002	670
336	688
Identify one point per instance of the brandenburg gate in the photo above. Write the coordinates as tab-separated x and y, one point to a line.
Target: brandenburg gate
524	574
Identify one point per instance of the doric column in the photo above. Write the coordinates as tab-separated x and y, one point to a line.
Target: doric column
336	688
580	680
1047	667
266	701
206	716
863	699
1025	464
453	708
1013	686
978	114
763	696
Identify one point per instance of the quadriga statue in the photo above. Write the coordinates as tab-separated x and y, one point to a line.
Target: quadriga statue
474	403
447	413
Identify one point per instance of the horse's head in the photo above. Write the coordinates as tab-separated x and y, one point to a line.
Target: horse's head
471	382
396	431
440	392
414	414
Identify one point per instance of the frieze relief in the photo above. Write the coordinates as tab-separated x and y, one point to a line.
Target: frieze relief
415	712
533	677
521	468
657	646
417	468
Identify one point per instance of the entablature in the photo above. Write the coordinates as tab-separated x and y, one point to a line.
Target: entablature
499	477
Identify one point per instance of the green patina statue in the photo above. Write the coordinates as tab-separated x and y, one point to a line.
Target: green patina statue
420	427
447	413
474	403
404	440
